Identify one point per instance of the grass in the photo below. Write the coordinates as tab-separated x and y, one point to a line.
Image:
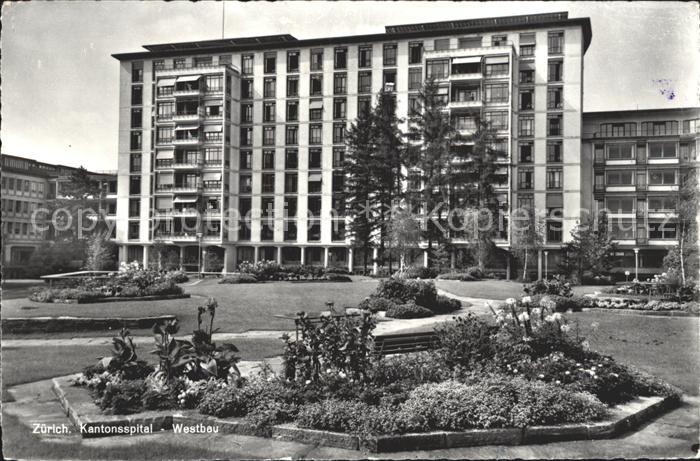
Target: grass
241	307
27	364
497	289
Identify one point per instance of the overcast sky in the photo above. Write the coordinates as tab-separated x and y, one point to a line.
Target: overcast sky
59	82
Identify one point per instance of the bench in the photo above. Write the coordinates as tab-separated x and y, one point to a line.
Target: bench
404	343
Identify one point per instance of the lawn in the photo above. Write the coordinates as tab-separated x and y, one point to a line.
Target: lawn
241	307
497	289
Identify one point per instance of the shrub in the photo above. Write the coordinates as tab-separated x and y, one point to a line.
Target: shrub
461	276
122	397
465	342
475	272
408	311
167	287
239	278
333	415
262	270
560	303
444	305
421	292
375	304
412	369
337	278
337	270
589	279
222	403
42	295
178	276
555	286
414	272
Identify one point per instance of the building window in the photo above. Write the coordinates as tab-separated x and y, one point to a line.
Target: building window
246	136
525	179
339	108
291	181
438	69
164	135
135	163
659	128
247	88
554	177
293	86
290	231
527	75
526	126
496	93
499	40
663	230
663	203
292	111
136	140
526	201
390	80
291	159
179	63
316	87
246	184
610	130
316	60
340	60
270	63
555	42
525	152
662	177
136	118
316	109
554	231
203	61
247	64
527	51
364	82
136	95
618	205
555	98
620	151
441	44
390	54
268	136
555	71
662	150
338	133
554	152
315	136
619	178
268	182
497	120
137	72
554	126
414	107
338	157
292	61
246	113
134	207
340	83
365	56
134	185
268	159
496	69
269	87
415	75
315	158
291	135
134	230
415	52
314	187
269	112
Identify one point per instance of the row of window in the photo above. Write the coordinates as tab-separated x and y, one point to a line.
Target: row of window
19	206
21	229
660	128
555	98
22	185
526	125
626	204
652	150
554	177
291	159
632	177
291	183
291	136
290	231
554	152
289	207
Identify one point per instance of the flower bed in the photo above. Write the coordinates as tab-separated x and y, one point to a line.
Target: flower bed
406	298
131	281
528	369
270	270
641	304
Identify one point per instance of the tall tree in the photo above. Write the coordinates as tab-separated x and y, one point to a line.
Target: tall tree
404	232
527	235
361	189
80	200
682	261
591	248
431	137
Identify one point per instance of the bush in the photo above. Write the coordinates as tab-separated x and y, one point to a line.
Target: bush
178	276
475	272
589	279
561	303
222	403
421	292
444	305
375	304
413	272
337	270
167	287
408	311
337	278
239	278
555	286
411	369
122	397
461	276
466	342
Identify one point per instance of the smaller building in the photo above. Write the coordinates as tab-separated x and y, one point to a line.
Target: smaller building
637	162
29	186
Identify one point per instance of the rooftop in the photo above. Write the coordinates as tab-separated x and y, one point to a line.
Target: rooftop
391	32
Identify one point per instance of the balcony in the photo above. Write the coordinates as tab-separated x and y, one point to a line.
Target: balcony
460	76
189	212
187	188
187	116
188	141
180	91
642	241
185	164
176	236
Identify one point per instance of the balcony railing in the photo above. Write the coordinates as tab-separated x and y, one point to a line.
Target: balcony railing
641	187
187	116
187	91
187	187
186	141
642	240
186	164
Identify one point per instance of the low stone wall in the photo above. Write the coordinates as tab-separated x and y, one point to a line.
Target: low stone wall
86	416
61	324
118	299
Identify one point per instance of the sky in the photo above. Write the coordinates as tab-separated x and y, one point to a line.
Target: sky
60	84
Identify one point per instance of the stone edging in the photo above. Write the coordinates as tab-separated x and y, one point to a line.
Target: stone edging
67	323
84	414
643	312
118	299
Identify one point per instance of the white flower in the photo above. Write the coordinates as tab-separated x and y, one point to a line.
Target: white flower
586	345
567	372
536	311
541	376
510	301
557	381
329	371
565	328
549	318
556	316
342	374
308	381
526	300
524	317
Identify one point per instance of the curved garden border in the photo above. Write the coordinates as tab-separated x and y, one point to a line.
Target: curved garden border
117	299
676	313
82	411
69	323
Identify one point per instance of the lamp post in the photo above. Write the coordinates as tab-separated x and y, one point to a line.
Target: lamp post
199	253
627	276
636	264
546	263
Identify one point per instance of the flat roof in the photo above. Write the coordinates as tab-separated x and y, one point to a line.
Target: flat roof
530	21
639	111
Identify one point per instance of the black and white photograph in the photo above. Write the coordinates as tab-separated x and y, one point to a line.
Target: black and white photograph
350	230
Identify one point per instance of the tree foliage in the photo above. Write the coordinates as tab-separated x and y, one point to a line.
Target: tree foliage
591	249
682	262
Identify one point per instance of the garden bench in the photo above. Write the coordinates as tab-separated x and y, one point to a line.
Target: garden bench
404	343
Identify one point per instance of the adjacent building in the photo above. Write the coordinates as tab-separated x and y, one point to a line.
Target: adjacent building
258	123
29	186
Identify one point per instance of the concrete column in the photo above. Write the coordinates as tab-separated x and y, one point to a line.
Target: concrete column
636	264
350	259
182	257
145	256
302	254
539	264
229	259
256	254
452	260
326	252
279	255
425	258
122	254
546	263
375	263
508	267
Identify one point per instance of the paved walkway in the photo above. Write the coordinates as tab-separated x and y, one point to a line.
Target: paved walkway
671	435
